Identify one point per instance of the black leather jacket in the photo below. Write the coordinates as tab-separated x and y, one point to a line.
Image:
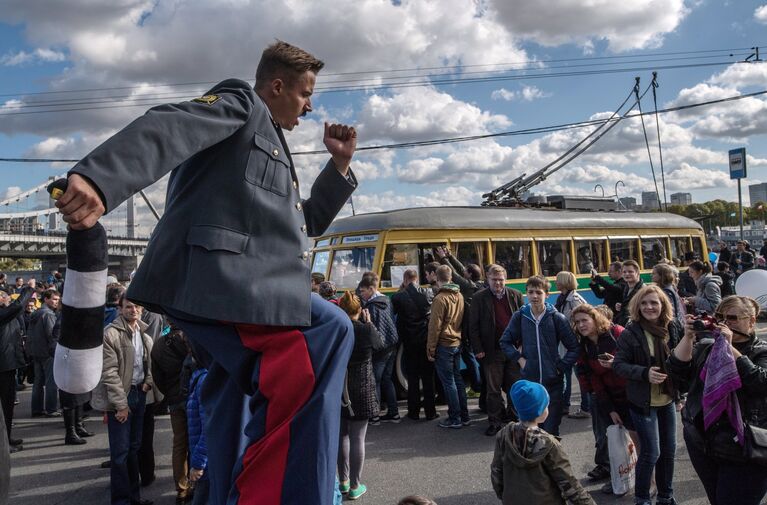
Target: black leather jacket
752	396
633	362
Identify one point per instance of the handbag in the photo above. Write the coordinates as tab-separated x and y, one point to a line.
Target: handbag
755	447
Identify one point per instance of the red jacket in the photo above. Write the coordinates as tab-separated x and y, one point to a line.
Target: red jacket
610	389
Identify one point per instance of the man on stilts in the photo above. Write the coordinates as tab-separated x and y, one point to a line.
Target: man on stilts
229	263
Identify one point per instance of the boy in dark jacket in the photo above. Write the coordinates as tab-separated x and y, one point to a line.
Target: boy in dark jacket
728	279
532	338
529	465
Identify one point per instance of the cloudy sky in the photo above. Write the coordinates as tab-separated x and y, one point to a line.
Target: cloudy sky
410	70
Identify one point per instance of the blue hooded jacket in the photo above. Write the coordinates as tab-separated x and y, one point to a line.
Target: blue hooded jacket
540	344
198	446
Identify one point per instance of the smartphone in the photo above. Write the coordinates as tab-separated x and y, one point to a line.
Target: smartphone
605	356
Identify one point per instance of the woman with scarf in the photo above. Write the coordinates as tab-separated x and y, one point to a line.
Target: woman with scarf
609	405
641	357
726	378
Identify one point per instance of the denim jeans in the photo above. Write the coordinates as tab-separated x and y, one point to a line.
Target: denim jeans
585	398
657	446
472	368
448	364
45	393
124	442
728	483
556	404
383	368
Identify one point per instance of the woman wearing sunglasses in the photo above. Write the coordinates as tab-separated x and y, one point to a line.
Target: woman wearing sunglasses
715	452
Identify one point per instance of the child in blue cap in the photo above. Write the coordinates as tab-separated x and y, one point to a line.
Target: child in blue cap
530	465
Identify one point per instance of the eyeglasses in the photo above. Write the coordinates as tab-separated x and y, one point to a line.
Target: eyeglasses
730	317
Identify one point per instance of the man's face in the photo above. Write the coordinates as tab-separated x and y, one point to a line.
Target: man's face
741	247
53	302
431	277
536	296
19	282
291	100
630	274
130	311
497	283
614	273
367	293
5	300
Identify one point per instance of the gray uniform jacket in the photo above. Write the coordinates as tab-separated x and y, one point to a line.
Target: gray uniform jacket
233	243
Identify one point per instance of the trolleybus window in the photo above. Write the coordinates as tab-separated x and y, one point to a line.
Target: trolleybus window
554	256
622	249
320	263
322	243
679	246
590	253
401	257
653	250
470	252
349	265
697	246
515	257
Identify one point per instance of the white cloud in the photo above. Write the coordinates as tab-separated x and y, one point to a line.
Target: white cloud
638	24
38	55
10	192
741	75
526	94
449	197
424	113
760	14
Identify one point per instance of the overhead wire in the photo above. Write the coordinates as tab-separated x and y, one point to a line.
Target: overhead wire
647	143
469	138
655	86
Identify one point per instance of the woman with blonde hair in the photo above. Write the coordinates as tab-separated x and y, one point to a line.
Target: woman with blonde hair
734	367
641	357
567	300
360	402
606	389
665	276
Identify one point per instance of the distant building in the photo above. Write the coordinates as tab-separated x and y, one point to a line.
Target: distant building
650	200
628	203
754	233
681	199
757	192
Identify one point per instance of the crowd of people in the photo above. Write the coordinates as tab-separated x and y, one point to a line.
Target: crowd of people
639	358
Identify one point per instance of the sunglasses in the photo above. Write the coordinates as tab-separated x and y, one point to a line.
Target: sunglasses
730	317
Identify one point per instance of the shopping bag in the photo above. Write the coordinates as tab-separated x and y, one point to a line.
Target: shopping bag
623	459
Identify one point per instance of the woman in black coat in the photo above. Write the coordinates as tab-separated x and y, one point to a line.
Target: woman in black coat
643	349
360	401
717	458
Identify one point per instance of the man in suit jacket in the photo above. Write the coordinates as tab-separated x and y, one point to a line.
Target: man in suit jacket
491	311
233	207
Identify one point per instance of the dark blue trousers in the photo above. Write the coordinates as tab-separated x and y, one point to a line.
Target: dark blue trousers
124	442
272	398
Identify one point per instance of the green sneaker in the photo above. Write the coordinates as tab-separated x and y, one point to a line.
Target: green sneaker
343	487
357	492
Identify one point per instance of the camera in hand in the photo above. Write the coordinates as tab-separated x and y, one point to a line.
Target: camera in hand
703	321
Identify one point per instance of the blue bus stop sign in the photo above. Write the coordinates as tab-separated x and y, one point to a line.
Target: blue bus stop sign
738	163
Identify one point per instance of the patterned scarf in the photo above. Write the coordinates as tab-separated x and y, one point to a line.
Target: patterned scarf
720	383
660	338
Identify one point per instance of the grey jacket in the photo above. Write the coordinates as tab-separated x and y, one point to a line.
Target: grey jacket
41	343
709	293
234	219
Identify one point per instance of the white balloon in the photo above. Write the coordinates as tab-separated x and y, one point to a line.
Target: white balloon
754	284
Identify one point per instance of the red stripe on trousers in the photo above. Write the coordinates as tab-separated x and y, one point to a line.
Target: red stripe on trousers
286	381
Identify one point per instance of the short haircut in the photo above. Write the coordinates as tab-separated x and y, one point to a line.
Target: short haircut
369	280
19	279
538	282
350	303
114	292
616	265
431	267
495	269
409	275
416	500
666	310
723	266
630	263
50	293
444	273
566	280
666	272
123	299
318	277
602	323
285	61
473	272
327	290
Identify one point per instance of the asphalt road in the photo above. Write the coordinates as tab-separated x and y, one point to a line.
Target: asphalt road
450	466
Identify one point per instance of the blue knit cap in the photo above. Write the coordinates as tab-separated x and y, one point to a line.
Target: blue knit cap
530	399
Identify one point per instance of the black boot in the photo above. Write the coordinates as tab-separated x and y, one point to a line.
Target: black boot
71	438
79	425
